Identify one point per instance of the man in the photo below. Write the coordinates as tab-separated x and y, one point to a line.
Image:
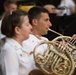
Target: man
40	21
51	8
68	6
10	6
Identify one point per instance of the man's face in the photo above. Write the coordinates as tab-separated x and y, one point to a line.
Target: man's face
11	7
43	24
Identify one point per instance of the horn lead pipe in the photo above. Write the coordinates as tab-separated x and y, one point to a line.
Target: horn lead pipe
54	32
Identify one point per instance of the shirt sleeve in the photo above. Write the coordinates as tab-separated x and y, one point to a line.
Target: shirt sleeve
71	3
10	64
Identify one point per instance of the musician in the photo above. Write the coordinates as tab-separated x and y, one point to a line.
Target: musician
40	21
9	6
68	7
14	58
51	8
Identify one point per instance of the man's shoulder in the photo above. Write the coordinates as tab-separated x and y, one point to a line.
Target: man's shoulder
45	38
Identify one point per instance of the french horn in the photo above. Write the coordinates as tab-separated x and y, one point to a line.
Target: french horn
53	58
71	43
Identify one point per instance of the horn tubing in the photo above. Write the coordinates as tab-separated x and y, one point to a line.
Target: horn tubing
54	32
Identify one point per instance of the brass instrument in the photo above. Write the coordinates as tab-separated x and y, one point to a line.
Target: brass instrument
55	59
71	43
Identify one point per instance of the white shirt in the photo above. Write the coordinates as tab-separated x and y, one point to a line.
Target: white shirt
67	4
30	44
14	59
1	35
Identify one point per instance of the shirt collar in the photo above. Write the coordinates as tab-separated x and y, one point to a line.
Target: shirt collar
13	43
34	38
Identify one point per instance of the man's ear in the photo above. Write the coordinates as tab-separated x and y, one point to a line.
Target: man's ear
34	21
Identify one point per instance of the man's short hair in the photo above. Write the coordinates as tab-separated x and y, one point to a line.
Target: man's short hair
35	12
6	3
